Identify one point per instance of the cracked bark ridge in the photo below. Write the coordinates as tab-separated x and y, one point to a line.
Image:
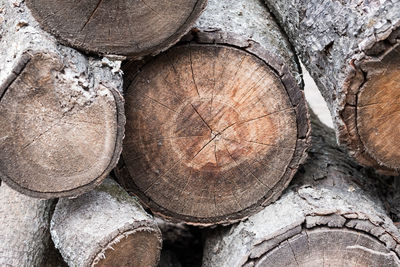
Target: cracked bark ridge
352	50
24	231
216	126
61	113
331	215
105	227
123	27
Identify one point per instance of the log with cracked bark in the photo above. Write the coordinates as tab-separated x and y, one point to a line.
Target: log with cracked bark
352	50
61	113
24	229
216	126
105	227
123	27
330	216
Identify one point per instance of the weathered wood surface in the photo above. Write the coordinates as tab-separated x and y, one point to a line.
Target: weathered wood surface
105	227
216	126
330	216
24	229
352	50
123	27
61	113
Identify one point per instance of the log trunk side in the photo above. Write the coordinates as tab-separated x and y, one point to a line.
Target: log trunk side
24	230
105	227
351	49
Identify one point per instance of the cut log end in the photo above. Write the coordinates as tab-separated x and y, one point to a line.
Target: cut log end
131	28
140	247
57	138
378	116
211	134
105	227
324	246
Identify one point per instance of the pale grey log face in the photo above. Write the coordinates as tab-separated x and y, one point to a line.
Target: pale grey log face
128	27
53	138
329	247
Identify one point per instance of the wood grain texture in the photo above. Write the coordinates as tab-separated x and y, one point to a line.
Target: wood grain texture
61	113
331	215
214	131
124	27
24	229
351	49
105	227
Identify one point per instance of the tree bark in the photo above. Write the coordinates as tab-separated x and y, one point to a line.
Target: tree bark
24	231
105	227
216	126
124	27
352	50
61	113
330	216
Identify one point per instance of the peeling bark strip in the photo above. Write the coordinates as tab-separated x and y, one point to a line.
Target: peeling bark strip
352	50
24	231
61	114
330	216
105	227
216	127
133	28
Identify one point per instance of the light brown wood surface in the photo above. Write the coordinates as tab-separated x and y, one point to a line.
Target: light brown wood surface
210	133
378	110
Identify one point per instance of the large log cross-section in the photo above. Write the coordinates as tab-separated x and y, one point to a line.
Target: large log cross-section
216	126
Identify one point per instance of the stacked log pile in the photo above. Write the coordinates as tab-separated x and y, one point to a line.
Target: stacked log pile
198	107
332	215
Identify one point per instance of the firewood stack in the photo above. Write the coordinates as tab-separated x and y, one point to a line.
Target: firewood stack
195	109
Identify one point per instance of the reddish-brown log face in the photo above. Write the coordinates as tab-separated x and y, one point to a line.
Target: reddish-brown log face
378	111
126	27
210	132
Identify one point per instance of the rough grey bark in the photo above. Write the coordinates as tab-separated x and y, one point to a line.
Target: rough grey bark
87	230
24	229
329	195
46	91
335	39
246	29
